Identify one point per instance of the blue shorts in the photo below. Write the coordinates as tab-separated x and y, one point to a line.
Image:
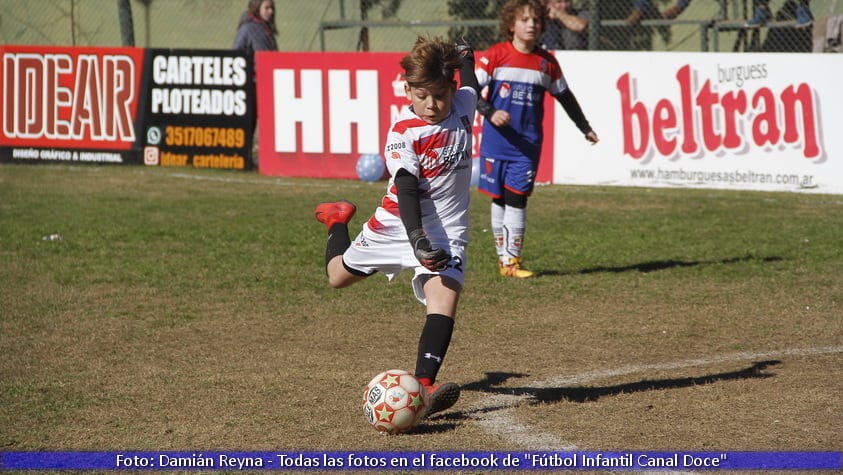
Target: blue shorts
497	175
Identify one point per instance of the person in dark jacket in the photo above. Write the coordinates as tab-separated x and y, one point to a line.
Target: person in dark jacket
256	30
566	28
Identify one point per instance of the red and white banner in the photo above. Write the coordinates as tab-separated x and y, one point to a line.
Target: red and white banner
319	112
707	120
69	104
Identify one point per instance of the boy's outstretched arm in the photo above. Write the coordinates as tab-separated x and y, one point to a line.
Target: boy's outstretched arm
572	107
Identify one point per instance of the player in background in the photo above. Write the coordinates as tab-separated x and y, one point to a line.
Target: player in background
518	73
422	222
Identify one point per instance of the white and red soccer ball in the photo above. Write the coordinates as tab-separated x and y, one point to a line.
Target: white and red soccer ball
394	401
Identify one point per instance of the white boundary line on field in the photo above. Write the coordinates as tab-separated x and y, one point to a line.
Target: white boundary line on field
495	413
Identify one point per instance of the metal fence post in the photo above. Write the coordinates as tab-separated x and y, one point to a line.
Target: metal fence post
594	26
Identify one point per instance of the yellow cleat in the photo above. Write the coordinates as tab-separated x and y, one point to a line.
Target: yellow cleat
514	269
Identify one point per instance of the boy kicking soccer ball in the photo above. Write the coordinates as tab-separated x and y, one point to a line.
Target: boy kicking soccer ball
422	222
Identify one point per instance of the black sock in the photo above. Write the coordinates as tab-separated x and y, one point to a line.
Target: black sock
433	344
338	242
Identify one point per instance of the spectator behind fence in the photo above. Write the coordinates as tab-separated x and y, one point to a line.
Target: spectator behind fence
674	10
256	30
792	10
798	38
833	40
633	36
567	27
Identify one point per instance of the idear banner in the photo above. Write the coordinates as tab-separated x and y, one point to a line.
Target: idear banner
72	105
127	105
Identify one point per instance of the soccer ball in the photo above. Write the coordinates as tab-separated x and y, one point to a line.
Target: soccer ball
394	401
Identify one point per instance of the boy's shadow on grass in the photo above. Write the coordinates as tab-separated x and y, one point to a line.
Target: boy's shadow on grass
652	266
539	395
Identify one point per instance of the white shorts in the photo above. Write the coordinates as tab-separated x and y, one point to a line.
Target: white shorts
389	251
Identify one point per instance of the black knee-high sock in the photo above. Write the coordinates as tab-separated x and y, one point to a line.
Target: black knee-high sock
338	242
433	344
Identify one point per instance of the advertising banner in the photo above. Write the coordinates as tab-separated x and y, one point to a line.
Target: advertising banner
199	109
319	113
72	105
127	105
744	121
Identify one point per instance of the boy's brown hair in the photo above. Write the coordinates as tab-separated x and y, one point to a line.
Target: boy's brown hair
431	63
511	10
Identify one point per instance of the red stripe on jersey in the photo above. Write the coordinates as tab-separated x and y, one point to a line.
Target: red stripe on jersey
425	148
401	126
375	225
504	55
437	140
390	206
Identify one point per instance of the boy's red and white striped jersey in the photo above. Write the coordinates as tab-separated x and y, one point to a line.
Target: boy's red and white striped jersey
440	156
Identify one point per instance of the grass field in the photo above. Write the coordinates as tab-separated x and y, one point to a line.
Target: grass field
189	310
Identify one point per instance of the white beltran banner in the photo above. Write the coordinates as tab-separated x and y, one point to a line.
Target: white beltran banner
768	122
